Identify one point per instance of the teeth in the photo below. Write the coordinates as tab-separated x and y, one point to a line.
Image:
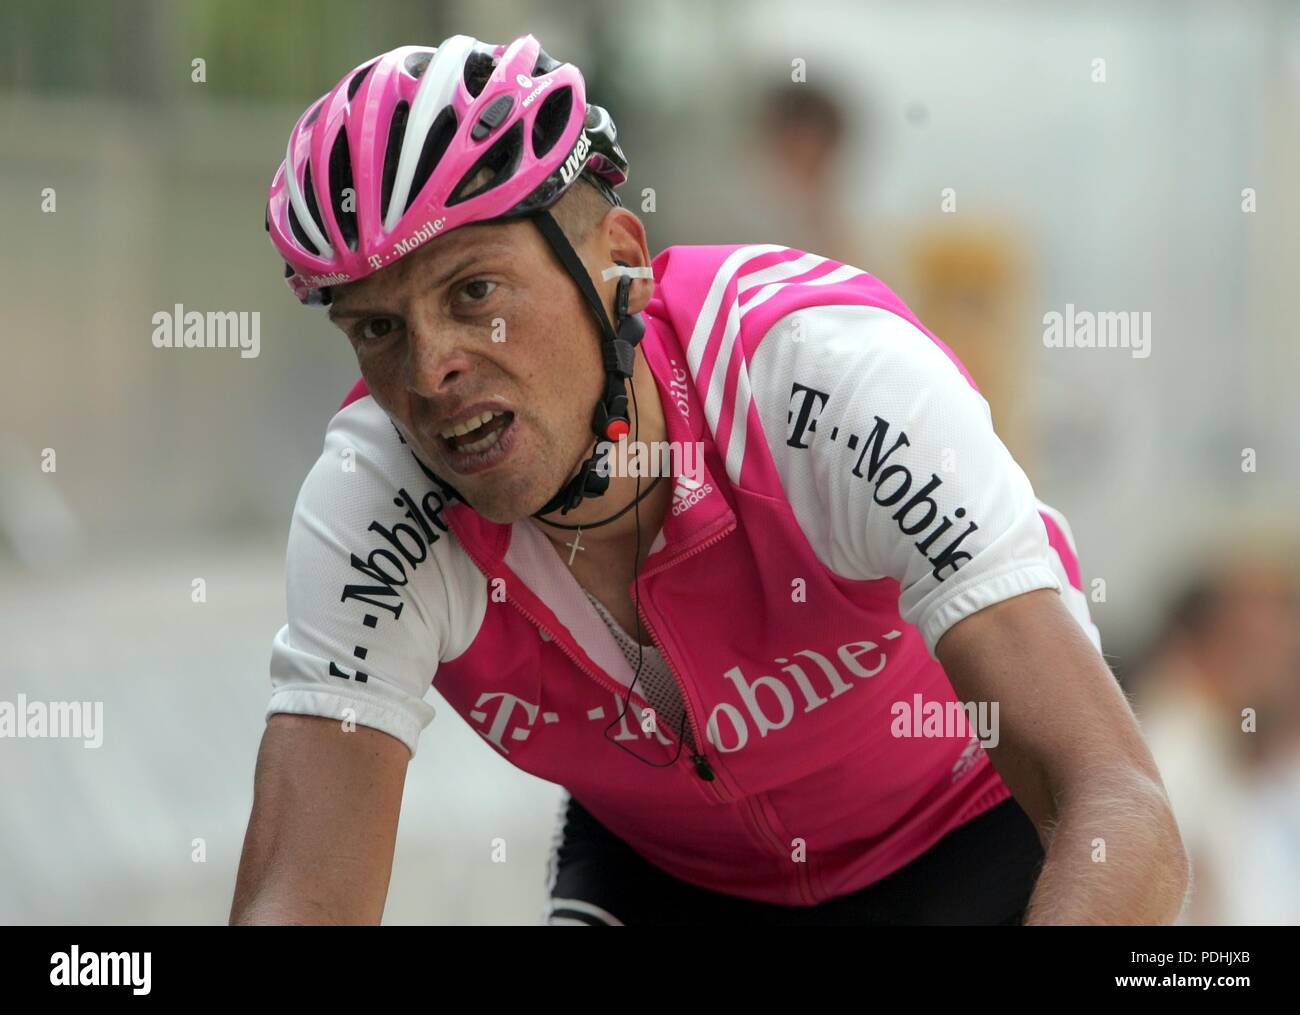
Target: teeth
481	445
470	424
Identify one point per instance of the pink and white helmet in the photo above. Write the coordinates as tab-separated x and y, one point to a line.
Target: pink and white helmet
419	141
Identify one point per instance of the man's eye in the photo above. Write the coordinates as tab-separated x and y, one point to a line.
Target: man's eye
375	327
477	290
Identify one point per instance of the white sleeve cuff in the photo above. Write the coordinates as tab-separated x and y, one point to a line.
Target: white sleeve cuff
406	723
980	592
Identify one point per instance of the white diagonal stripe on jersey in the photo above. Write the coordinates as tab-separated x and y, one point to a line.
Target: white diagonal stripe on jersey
771	274
735	454
709	308
778	272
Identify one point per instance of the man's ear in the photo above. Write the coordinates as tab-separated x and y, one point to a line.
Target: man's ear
625	241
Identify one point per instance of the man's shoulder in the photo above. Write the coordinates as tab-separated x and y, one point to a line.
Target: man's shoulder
734	268
370	531
360	437
366	473
779	309
729	293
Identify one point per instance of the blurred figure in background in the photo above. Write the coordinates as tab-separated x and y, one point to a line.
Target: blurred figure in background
799	142
1219	701
966	281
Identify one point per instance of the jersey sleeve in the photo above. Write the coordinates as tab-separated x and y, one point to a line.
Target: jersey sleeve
890	462
377	591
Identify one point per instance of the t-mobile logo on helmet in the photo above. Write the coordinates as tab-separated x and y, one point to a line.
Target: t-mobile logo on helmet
422	234
916	514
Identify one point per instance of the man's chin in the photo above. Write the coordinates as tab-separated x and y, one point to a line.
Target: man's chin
504	509
498	516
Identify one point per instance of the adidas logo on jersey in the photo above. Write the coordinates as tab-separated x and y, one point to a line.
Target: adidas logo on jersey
689	492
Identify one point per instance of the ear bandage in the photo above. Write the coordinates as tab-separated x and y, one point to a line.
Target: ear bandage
617	269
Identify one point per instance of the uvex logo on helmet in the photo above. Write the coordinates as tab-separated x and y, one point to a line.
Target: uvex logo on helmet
573	164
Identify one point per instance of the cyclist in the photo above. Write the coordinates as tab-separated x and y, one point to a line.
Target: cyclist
741	666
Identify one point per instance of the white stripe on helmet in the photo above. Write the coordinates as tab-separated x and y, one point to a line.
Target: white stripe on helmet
437	85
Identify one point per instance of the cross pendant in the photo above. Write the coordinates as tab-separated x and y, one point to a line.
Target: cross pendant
575	546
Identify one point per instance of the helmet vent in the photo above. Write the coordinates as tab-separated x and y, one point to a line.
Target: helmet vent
359	77
545	63
315	112
417	63
309	192
436	141
396	134
551	119
478	68
497	165
300	234
341	181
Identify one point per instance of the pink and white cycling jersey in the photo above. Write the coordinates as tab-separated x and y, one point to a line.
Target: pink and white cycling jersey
854	504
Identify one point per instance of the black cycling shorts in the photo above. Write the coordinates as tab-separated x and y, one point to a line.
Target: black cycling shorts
980	873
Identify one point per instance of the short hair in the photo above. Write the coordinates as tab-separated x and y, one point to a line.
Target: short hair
581	209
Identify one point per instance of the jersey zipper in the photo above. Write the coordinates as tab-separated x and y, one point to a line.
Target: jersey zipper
804	876
698	760
603	680
701	764
765	832
702	767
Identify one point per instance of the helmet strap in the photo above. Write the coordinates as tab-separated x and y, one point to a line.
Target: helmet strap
610	419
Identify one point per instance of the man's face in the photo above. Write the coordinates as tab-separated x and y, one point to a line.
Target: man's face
481	320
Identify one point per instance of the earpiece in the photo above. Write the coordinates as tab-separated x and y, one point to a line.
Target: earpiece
620	357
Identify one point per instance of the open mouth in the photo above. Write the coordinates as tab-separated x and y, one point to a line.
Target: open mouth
479	435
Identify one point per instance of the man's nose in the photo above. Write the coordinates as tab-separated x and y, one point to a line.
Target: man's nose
437	358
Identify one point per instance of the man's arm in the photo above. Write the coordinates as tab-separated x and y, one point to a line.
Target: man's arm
319	845
1071	752
893	469
366	630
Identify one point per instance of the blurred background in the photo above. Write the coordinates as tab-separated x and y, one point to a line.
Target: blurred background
992	163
